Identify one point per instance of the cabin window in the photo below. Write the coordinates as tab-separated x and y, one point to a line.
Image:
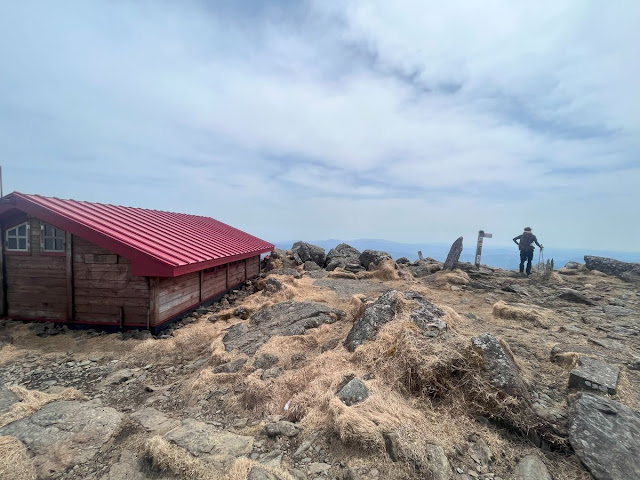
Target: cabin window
52	238
17	238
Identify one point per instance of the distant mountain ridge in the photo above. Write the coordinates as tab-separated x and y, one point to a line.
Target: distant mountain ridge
501	257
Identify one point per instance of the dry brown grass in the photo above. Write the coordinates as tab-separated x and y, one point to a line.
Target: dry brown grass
386	270
15	464
33	400
456	277
519	312
341	273
170	458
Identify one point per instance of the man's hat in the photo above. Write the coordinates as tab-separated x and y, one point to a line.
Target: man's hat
527	229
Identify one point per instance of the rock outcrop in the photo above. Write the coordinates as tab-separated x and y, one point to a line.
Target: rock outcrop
284	319
428	317
304	252
343	256
610	266
79	429
209	444
372	256
500	366
605	435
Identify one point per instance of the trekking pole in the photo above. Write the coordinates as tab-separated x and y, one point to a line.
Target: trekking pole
540	260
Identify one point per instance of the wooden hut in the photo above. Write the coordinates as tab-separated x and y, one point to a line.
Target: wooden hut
102	265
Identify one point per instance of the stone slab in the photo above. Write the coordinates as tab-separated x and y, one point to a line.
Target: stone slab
592	374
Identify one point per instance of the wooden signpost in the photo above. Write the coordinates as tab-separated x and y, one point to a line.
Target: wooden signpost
481	235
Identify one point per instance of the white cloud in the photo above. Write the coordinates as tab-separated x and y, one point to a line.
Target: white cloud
323	121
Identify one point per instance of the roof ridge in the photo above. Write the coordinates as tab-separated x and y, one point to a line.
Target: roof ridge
110	205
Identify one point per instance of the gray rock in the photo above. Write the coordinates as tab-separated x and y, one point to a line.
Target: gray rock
310	266
437	465
605	435
283	319
304	252
350	474
230	367
318	468
343	255
79	429
454	255
7	398
530	467
392	445
353	392
154	421
265	360
617	311
209	444
575	297
259	473
428	316
572	265
282	428
500	366
385	308
119	376
292	272
271	286
611	266
272	459
372	256
403	261
592	374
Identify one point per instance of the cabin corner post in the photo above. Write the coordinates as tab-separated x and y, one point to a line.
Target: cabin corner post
154	301
3	272
201	279
68	247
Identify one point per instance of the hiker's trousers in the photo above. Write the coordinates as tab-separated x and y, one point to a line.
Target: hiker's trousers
526	256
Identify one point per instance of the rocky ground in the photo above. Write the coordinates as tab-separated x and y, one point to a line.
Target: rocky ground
344	365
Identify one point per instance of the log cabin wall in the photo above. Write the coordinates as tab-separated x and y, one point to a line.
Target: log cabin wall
214	281
237	273
36	281
104	290
178	294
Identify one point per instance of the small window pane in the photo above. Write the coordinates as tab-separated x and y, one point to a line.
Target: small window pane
12	243
48	244
59	245
22	230
49	231
22	243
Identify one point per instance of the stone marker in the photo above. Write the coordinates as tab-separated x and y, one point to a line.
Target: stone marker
454	255
592	374
606	437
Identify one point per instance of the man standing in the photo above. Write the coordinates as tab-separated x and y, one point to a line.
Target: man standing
525	244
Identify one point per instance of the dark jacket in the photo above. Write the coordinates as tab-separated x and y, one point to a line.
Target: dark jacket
526	240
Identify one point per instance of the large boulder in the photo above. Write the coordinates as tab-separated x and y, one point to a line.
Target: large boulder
372	256
427	316
65	433
605	435
454	255
342	256
611	266
283	319
499	366
304	252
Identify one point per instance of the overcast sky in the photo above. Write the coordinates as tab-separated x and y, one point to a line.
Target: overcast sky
414	121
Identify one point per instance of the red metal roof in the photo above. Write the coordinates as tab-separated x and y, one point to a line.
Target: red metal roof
157	243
